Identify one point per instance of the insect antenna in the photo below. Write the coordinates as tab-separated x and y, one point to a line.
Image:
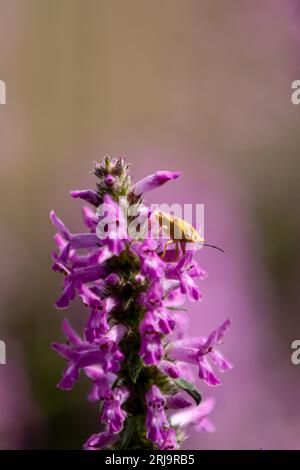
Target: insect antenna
213	246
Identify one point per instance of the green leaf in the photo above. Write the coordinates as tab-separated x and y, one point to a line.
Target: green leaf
190	389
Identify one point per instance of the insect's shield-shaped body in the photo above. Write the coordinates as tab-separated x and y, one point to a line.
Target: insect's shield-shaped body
178	229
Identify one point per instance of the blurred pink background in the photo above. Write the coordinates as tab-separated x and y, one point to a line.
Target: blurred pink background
197	86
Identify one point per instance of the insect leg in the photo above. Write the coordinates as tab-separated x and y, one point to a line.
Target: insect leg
177	248
183	247
169	242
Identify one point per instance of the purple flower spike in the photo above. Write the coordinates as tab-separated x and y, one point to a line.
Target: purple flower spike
153	181
134	346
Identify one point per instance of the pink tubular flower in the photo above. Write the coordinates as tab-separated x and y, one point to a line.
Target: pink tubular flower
81	354
151	346
87	195
153	181
157	423
169	368
112	229
185	271
112	413
201	351
170	440
196	416
100	441
134	347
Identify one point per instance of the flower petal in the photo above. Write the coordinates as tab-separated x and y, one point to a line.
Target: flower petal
153	181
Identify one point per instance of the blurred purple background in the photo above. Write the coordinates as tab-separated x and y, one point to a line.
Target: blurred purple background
197	86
